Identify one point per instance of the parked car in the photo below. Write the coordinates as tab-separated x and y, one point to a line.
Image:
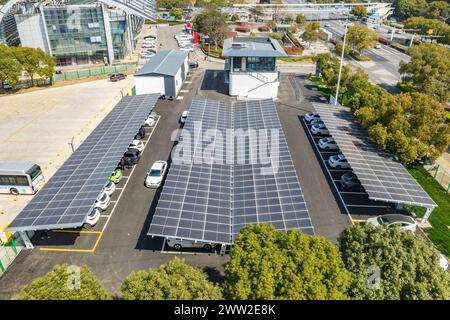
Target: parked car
349	181
116	176
141	133
178	244
316	121
193	64
328	144
311	115
443	262
320	128
92	218
150	37
156	174
405	222
378	46
146	55
137	144
183	117
132	156
338	162
151	51
148	45
150	122
103	201
110	188
117	77
6	86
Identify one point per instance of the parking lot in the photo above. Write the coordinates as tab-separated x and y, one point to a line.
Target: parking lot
355	202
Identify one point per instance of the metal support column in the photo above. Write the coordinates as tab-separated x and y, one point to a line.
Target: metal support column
26	240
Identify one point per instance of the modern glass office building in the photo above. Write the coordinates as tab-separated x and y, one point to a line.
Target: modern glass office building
82	31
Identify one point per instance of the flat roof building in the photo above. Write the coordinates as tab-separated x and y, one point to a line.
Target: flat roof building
251	68
164	73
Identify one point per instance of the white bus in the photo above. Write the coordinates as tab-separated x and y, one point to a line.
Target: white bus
20	177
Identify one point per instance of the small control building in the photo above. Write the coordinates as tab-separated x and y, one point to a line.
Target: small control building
251	68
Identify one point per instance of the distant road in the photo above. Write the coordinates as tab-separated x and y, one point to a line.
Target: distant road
383	69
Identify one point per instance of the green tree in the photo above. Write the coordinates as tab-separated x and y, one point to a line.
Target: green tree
437	10
58	285
439	28
408	8
411	125
9	66
300	19
339	49
359	11
173	281
361	37
177	13
271	25
35	61
311	33
212	24
234	18
429	70
329	70
409	266
270	264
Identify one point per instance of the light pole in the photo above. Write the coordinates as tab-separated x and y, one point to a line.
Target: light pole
342	61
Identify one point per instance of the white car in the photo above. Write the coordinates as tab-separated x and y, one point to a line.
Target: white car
103	201
156	174
311	115
338	161
443	262
378	46
405	222
145	45
92	218
328	144
183	117
178	244
187	49
137	144
320	128
150	121
110	188
146	55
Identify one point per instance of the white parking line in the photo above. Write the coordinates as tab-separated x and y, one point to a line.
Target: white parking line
366	206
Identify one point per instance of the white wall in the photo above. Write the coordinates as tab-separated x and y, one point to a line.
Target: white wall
246	85
31	31
148	84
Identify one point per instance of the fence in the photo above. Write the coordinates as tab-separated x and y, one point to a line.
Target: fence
8	252
441	175
94	72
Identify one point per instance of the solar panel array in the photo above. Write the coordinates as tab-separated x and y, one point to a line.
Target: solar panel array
70	194
211	202
383	178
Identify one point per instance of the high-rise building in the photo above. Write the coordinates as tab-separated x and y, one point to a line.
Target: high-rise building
81	31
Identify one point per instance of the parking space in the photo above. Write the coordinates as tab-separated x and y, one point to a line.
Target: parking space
86	239
355	201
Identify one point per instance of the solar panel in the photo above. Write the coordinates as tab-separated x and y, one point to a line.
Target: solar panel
70	194
211	202
383	178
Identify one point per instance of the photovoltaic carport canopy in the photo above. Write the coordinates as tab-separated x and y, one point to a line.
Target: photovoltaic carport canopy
70	194
211	201
382	177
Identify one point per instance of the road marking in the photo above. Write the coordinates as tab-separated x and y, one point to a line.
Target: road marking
180	98
188	82
104	215
77	231
184	91
366	206
66	250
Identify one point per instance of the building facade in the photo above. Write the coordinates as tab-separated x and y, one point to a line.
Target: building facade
251	69
79	31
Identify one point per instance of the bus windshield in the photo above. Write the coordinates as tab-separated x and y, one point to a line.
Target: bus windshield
35	172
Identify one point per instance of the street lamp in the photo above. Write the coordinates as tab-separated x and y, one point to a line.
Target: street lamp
342	61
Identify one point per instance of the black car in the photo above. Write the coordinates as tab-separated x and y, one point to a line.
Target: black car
193	64
132	156
117	76
349	181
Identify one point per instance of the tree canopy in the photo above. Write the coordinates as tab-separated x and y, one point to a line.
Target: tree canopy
329	68
270	264
437	10
361	37
35	61
408	266
9	66
411	125
311	32
177	13
213	24
173	281
408	8
359	11
429	70
65	283
439	28
300	19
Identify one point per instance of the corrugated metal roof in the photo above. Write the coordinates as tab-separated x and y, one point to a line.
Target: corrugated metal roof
166	62
252	47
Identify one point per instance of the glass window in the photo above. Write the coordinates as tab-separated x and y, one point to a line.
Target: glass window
261	64
237	63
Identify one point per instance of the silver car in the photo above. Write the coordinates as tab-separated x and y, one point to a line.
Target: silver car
405	222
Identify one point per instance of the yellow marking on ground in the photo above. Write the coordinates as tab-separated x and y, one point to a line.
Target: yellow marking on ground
92	250
359	221
65	250
97	242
